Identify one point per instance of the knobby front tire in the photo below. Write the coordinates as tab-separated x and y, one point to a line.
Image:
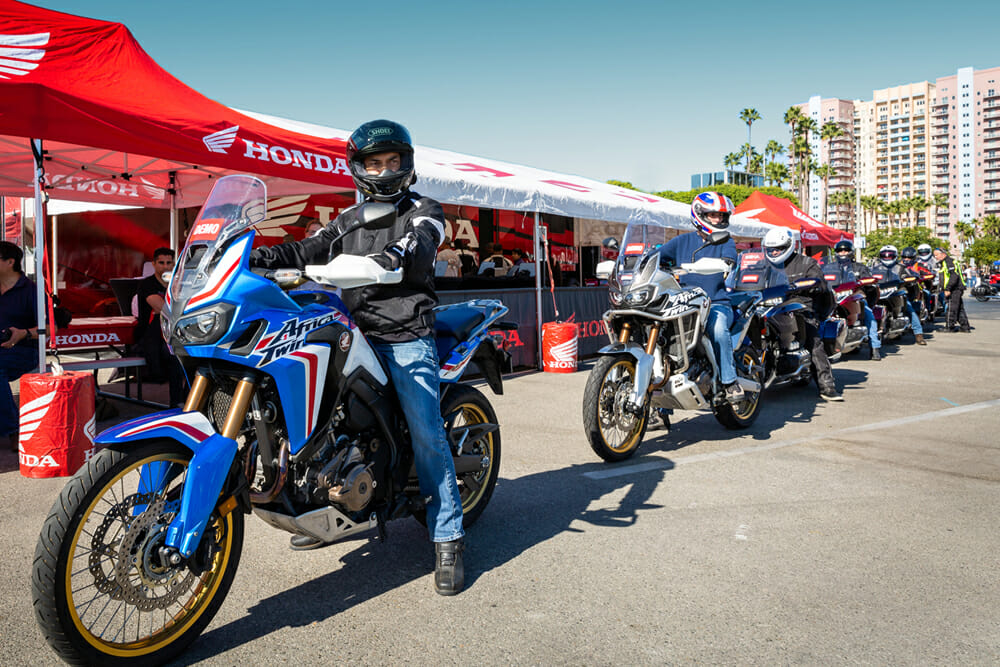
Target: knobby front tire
101	594
614	433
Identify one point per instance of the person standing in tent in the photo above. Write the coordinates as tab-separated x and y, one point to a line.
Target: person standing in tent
149	339
398	319
18	334
710	212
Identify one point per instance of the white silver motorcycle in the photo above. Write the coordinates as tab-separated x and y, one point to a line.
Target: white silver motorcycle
660	356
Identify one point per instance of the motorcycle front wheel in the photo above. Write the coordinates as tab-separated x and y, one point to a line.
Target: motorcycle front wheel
743	414
613	431
102	593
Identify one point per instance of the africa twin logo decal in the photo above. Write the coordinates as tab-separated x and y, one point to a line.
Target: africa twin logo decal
292	336
18	55
218	142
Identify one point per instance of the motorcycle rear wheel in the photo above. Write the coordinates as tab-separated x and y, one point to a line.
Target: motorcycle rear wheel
614	433
101	594
464	408
982	299
744	413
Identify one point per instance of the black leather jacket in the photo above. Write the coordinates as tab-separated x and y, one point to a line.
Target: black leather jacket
385	313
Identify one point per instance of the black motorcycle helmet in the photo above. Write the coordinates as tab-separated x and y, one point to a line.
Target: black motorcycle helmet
844	246
908	256
381	136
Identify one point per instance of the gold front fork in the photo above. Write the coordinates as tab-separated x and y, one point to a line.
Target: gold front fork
238	408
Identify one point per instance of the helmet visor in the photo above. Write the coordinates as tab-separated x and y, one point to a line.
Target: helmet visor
887	255
776	252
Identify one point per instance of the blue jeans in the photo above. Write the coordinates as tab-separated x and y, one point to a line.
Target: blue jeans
869	318
14	363
918	329
720	319
413	366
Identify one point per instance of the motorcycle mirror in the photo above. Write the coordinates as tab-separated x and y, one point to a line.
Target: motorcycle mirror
611	243
718	238
377	215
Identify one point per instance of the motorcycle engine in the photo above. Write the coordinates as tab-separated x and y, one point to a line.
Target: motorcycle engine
341	474
700	373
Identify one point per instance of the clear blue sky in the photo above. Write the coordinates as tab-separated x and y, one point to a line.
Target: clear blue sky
647	92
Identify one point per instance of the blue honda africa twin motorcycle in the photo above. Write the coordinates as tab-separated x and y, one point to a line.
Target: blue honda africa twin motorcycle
291	415
784	355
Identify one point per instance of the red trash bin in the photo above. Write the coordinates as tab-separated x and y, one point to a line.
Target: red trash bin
57	423
559	345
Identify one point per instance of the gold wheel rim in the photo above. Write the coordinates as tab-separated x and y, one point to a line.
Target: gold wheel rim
631	438
173	624
473	414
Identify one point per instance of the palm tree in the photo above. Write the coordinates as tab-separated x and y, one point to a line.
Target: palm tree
749	116
917	205
756	164
966	231
800	152
825	172
990	226
776	173
806	125
939	201
772	150
870	205
731	160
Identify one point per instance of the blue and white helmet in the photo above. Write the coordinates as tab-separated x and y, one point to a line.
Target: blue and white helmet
711	202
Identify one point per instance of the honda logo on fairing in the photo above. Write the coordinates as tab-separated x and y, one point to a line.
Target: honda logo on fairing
218	142
17	55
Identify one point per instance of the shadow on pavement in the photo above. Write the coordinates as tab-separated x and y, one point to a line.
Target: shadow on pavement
511	525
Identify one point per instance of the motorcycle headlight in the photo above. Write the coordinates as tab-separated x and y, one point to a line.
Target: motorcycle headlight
615	295
204	327
843	294
639	297
770	303
884	293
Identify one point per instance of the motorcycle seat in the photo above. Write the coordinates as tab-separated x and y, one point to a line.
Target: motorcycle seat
452	325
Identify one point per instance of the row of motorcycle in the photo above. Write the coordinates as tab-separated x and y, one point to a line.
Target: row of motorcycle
661	358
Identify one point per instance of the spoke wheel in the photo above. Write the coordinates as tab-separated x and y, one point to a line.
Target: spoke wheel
102	593
614	432
742	414
470	425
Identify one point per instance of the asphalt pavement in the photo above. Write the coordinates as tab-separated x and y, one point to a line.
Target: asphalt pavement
862	532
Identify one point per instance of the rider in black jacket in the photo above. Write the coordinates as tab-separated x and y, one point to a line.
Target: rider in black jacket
779	248
398	319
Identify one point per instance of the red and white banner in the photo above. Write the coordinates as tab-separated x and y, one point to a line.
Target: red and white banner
12	219
759	207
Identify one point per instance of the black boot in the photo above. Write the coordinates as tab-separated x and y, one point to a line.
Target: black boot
449	572
306	543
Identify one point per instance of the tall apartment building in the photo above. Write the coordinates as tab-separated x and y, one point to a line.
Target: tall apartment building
914	140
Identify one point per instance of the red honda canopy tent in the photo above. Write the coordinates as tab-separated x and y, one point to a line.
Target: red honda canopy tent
86	114
777	211
117	128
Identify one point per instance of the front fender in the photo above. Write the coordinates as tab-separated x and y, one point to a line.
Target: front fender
212	458
636	350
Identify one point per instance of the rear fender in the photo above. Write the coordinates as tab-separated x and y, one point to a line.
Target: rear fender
491	360
210	464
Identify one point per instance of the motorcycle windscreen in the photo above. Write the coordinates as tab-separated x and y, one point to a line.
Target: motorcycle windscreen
754	273
235	204
637	241
838	273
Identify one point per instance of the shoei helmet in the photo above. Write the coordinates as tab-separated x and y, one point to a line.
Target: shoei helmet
924	251
778	246
908	256
888	254
372	138
710	202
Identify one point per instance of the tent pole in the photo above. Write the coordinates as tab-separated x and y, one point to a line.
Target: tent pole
55	254
36	145
538	290
173	212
